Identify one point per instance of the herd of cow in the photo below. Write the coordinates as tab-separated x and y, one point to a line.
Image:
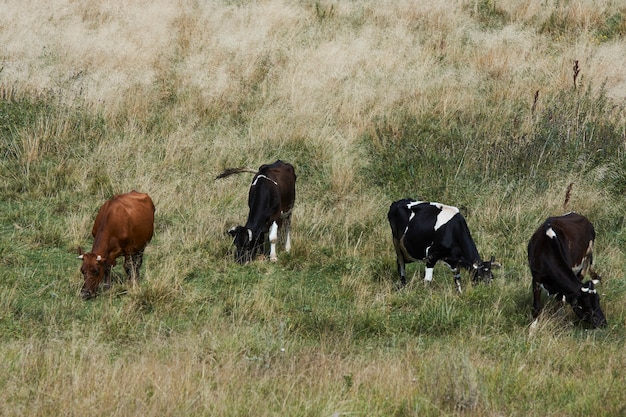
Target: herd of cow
559	252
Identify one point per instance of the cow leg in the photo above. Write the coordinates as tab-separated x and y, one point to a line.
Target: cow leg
287	229
428	274
457	278
132	263
536	299
401	264
401	270
107	276
430	267
273	239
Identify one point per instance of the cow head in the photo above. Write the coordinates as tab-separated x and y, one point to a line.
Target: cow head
587	305
483	270
94	269
246	243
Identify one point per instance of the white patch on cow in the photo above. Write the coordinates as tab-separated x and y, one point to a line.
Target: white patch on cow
428	276
446	214
551	233
265	177
273	239
577	268
410	206
414	203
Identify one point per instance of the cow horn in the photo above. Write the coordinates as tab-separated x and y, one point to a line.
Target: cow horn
595	281
80	256
584	289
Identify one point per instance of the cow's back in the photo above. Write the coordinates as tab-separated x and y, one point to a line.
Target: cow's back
127	219
568	235
574	232
284	175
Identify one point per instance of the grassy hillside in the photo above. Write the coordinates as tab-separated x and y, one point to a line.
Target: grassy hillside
477	104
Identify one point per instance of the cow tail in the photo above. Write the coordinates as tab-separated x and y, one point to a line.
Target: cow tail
231	171
568	194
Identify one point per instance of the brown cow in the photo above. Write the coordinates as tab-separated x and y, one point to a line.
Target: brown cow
124	226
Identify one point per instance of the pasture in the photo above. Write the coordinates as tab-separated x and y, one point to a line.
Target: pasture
495	107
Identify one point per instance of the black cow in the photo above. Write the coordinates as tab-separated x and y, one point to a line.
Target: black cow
270	199
560	254
432	232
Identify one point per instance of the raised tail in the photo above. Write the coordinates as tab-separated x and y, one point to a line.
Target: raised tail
568	194
230	171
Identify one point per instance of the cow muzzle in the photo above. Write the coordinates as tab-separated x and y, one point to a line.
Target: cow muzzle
86	294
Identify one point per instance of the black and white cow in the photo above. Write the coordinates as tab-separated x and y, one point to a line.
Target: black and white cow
429	232
270	199
560	254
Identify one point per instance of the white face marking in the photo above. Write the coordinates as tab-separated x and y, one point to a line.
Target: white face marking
551	233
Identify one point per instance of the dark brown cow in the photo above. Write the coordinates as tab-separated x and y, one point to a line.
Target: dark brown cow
124	226
270	199
560	254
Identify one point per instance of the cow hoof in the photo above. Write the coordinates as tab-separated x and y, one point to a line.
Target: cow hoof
274	259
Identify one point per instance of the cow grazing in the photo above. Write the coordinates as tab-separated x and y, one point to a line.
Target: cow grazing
124	226
432	232
270	200
560	254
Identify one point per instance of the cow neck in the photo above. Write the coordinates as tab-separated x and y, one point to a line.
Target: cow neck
259	201
101	246
101	242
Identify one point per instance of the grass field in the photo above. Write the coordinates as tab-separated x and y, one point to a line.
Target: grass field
475	103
